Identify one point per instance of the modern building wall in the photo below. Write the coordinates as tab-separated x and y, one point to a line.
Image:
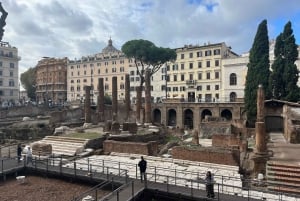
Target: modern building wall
9	74
51	80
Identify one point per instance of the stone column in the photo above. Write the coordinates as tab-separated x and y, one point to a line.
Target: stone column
87	104
100	100
260	128
138	103
114	98
147	97
127	96
179	115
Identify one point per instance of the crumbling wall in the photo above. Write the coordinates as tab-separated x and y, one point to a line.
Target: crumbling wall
150	148
207	129
208	155
229	141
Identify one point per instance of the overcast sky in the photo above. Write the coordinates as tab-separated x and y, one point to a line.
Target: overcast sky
76	28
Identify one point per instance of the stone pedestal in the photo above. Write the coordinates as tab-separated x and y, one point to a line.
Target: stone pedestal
87	104
114	98
100	104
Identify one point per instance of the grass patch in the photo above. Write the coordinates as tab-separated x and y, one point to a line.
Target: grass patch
172	138
89	135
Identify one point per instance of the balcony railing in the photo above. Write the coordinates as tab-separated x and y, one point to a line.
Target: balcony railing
191	82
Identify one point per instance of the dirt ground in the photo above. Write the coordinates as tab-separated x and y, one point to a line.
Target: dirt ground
41	189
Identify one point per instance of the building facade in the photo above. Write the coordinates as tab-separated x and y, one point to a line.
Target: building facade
196	75
51	80
9	75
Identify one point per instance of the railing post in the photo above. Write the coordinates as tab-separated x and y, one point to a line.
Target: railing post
198	180
248	192
47	166
119	169
132	189
96	194
175	177
107	176
112	184
222	184
103	166
155	174
9	152
35	163
192	188
75	168
126	176
88	164
136	170
2	166
60	165
117	195
168	184
218	192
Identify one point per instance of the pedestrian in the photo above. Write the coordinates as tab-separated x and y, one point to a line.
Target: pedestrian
209	181
19	152
143	166
29	156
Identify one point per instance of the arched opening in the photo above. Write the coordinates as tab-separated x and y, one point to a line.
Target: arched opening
157	116
232	97
188	119
226	114
172	117
274	123
204	113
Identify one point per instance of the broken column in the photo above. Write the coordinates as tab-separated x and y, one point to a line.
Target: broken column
147	97
127	96
114	98
87	104
260	156
100	101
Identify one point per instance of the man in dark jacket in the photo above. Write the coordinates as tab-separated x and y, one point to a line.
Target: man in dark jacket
19	152
143	166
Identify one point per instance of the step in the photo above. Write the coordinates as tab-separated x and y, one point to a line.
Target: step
283	174
284	189
61	143
283	183
283	169
281	164
66	139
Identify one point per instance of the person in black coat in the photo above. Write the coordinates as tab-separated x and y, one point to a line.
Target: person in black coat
143	166
209	180
19	152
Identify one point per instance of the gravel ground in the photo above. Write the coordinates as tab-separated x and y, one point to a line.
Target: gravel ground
41	189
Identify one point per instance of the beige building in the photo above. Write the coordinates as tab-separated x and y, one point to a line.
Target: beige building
51	80
87	70
9	75
196	74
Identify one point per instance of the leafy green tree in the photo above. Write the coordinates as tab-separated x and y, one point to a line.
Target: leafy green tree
284	76
147	57
28	81
258	71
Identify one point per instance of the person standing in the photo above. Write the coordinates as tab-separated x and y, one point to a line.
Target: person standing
143	166
29	156
19	152
209	181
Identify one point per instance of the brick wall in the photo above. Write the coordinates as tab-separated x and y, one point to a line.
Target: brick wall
229	141
150	148
209	155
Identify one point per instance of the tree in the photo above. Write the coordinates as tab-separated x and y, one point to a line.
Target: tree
258	70
284	76
28	82
147	57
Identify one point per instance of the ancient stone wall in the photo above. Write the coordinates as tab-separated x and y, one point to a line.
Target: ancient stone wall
138	138
207	129
28	111
209	155
150	148
72	115
229	141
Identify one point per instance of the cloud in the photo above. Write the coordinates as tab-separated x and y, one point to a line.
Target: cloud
75	28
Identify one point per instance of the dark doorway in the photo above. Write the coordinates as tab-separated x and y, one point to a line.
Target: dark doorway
157	116
191	96
226	114
204	113
274	123
172	117
188	119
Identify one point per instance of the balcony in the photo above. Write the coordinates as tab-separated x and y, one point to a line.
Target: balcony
191	82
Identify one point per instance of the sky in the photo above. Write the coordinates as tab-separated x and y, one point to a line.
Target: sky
76	28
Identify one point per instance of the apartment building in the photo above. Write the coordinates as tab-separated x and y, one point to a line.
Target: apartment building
51	80
196	75
9	75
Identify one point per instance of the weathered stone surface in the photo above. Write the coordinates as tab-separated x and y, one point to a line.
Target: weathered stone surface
107	126
132	128
41	149
115	127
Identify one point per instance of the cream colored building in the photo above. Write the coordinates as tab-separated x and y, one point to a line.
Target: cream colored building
196	75
87	70
9	75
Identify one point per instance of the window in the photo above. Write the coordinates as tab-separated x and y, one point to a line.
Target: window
217	52
182	88
98	71
168	68
182	66
106	79
175	67
122	86
199	76
78	73
217	62
175	78
98	64
137	79
199	88
11	65
11	73
1	82
78	88
0	72
182	56
217	96
11	92
232	97
106	87
132	79
84	80
191	65
0	63
71	88
207	64
106	70
121	69
1	93
191	76
217	75
199	64
191	54
199	54
132	72
182	77
175	88
72	81
114	70
208	76
232	79
208	53
217	87
78	81
208	87
84	72
122	78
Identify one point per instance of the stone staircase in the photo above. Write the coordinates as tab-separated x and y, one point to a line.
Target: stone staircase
67	146
283	177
